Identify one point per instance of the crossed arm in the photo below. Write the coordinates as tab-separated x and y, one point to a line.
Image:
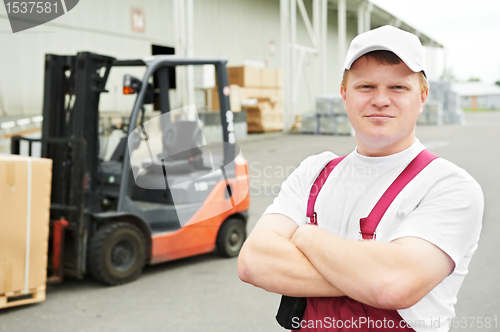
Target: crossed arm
308	261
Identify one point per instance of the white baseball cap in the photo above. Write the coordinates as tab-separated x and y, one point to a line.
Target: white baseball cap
404	44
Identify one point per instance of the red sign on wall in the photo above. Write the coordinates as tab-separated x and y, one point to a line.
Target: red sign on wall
138	21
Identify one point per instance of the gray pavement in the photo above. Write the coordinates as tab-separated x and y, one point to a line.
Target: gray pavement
204	293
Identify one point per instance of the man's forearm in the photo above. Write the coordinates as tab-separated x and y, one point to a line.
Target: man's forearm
384	275
269	261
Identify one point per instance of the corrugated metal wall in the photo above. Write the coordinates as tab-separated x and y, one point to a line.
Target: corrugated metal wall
96	26
239	29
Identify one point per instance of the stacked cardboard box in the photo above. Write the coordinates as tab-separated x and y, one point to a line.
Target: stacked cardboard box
259	92
25	185
262	116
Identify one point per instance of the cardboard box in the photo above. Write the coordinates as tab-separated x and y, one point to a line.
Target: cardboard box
25	185
249	93
263	116
213	102
271	93
245	76
268	78
236	95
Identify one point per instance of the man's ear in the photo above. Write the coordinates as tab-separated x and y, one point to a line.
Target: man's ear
423	98
343	94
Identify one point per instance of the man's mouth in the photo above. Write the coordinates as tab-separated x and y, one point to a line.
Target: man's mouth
380	116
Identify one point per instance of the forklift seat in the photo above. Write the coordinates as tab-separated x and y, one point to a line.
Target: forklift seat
181	149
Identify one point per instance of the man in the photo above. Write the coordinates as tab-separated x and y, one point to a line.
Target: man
424	242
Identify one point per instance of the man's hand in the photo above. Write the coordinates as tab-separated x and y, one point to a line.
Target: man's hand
271	261
393	275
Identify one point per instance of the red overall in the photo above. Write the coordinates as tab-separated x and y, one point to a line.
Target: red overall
344	313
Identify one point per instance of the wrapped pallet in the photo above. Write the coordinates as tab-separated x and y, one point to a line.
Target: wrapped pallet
25	185
334	124
309	123
432	114
330	104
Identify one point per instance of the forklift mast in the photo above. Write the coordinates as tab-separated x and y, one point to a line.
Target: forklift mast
72	89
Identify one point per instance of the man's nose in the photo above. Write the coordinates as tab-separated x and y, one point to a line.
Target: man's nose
381	98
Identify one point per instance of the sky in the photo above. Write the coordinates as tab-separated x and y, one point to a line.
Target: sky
470	31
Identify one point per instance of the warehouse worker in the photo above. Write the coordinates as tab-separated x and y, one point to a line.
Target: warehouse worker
406	273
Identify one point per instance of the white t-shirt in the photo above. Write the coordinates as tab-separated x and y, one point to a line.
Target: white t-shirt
443	204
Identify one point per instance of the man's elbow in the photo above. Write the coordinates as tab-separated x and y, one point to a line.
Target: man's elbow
245	266
396	296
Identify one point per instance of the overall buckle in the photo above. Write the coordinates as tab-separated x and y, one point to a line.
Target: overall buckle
374	236
313	220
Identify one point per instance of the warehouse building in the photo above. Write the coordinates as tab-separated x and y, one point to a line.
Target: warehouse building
478	95
304	39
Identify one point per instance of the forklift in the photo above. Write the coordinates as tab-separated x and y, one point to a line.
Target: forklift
110	218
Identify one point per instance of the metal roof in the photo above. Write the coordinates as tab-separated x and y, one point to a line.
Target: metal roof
382	17
475	89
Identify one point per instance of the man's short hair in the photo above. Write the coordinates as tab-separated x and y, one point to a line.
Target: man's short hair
386	58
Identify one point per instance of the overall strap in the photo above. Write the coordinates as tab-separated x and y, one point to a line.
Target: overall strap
316	188
369	224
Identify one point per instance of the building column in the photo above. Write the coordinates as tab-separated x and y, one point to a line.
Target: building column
341	33
361	17
324	32
368	16
286	63
183	32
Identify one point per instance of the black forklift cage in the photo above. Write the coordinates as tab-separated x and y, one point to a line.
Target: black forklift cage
159	62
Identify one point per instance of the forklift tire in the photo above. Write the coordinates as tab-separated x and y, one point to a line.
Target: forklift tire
117	253
231	236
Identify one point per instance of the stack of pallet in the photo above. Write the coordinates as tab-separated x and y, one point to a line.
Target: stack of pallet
432	114
442	92
258	91
263	115
330	117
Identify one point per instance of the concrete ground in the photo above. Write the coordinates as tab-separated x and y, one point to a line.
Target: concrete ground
204	293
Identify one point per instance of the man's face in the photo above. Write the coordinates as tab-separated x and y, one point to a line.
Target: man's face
383	103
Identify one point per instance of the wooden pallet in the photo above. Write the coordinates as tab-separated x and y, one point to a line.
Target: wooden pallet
12	299
263	130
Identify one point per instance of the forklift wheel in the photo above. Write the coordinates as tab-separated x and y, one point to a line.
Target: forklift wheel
117	253
231	236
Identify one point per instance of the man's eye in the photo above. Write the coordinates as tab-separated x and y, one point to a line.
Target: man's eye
398	87
366	86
